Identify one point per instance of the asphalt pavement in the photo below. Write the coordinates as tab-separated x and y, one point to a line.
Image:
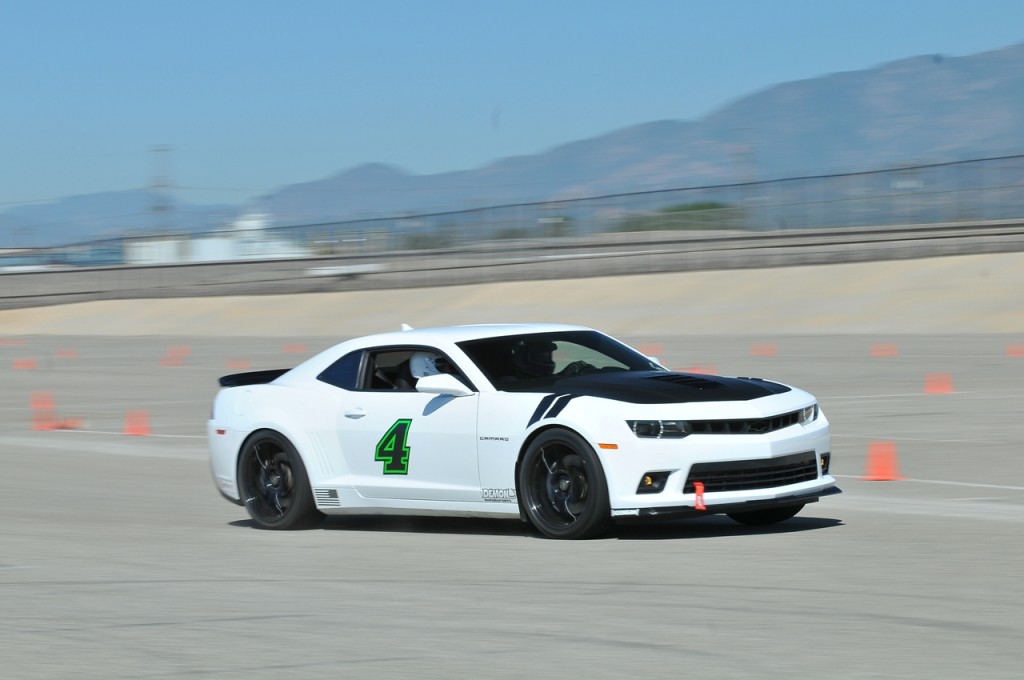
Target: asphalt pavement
119	559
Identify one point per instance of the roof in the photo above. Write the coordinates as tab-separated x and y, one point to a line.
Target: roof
472	332
441	337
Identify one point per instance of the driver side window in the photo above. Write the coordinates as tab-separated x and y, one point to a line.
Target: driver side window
399	369
388	370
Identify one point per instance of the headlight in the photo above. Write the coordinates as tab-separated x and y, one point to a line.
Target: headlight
807	415
660	429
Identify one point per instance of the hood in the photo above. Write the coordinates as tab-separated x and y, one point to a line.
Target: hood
659	387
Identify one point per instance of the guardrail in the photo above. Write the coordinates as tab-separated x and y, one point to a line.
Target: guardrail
553	258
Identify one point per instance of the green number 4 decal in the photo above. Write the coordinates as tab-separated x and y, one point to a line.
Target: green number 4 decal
393	448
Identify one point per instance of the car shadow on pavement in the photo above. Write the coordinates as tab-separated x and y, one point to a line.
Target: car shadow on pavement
416	525
715	526
429	525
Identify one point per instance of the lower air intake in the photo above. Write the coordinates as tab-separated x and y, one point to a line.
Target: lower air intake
739	475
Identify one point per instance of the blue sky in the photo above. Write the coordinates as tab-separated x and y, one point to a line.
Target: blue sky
251	95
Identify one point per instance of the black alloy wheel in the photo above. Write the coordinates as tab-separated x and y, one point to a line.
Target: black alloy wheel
562	487
274	485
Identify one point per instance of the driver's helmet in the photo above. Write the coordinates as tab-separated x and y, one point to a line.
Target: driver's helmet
422	364
533	358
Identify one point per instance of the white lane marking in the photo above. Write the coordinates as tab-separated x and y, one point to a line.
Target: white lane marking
122	434
943	482
117	444
920	439
136	453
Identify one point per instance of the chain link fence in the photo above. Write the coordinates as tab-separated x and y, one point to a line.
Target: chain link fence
966	191
982	190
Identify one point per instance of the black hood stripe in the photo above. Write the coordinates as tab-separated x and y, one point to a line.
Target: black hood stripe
654	387
662	387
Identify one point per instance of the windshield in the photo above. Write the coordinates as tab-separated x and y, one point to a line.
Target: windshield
536	361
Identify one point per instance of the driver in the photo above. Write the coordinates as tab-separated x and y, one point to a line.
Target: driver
533	358
422	364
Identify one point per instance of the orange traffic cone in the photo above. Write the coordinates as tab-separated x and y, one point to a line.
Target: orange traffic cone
44	414
179	351
175	355
136	423
938	383
884	349
882	465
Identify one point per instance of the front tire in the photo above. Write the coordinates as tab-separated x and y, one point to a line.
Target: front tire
274	485
562	487
763	518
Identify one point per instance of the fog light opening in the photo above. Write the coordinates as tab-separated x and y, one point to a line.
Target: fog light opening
653	482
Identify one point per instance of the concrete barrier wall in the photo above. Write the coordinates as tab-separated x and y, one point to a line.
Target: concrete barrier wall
514	261
963	294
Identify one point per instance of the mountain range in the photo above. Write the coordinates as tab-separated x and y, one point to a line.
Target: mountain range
925	109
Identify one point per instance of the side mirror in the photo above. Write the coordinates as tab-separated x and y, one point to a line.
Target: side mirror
442	383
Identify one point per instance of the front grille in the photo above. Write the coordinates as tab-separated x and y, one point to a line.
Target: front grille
752	426
737	475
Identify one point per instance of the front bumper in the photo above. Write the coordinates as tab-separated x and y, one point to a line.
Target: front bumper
722	508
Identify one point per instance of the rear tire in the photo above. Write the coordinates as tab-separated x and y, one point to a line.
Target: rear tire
763	518
562	488
273	484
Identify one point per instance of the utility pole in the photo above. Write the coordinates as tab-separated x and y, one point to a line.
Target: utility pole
159	187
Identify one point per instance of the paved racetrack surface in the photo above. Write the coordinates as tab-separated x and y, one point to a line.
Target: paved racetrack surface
119	559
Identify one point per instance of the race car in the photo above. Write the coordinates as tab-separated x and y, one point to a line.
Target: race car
560	425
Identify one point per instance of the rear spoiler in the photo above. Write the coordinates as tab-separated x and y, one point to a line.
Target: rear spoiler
252	377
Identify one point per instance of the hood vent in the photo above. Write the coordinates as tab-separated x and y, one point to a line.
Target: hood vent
693	381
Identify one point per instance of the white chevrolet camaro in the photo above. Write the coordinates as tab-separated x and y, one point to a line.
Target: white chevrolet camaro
560	425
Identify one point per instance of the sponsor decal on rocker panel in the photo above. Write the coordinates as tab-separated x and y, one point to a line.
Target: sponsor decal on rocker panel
498	495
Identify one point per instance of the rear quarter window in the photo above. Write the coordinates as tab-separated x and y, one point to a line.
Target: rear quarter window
344	372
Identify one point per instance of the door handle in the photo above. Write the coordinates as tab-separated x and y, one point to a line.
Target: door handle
355	413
